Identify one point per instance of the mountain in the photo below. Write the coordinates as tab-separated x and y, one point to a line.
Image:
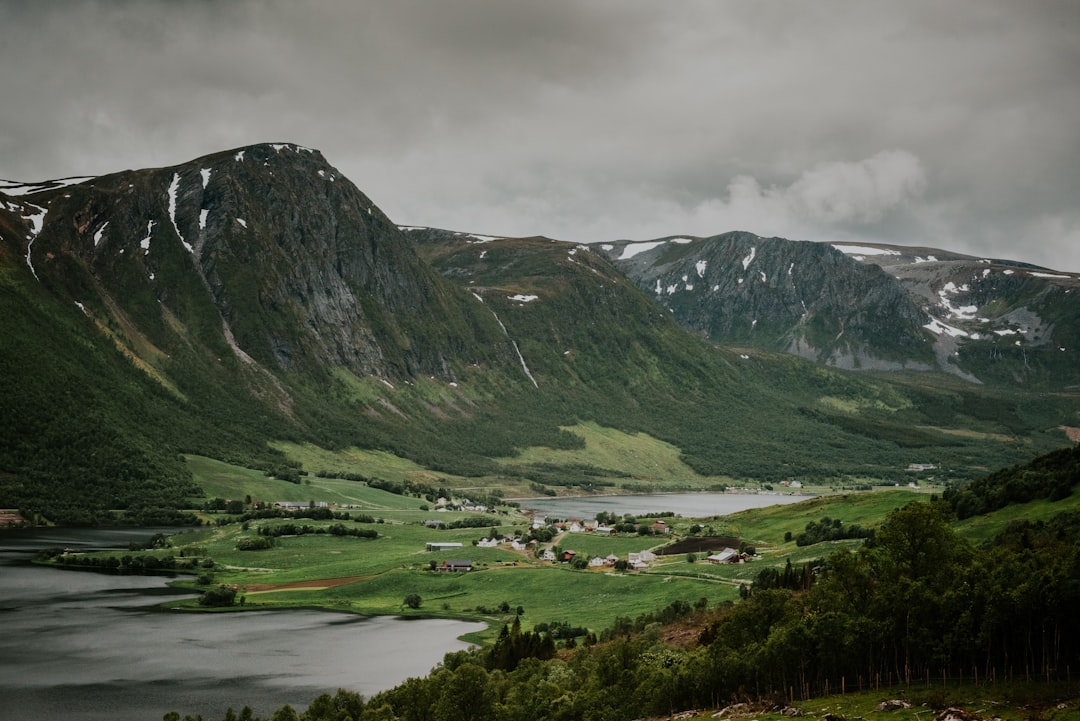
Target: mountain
736	409
870	306
256	295
245	287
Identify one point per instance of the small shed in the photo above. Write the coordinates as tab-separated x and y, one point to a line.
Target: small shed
441	546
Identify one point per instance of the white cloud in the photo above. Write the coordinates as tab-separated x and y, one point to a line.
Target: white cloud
862	191
831	199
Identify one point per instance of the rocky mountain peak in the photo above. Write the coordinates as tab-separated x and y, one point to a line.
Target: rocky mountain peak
267	250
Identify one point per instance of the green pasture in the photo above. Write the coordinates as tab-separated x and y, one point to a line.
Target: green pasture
321	556
383	570
592	599
634	458
224	480
764	527
396	564
589	544
641	457
369	463
979	529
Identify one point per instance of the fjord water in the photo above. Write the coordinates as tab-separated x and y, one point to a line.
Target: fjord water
689	505
88	645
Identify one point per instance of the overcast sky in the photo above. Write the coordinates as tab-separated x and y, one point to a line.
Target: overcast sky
946	124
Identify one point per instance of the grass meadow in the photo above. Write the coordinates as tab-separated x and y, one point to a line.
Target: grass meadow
372	576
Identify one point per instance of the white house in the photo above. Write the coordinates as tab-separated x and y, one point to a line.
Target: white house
645	557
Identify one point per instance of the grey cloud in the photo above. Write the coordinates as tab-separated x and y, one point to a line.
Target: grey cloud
947	124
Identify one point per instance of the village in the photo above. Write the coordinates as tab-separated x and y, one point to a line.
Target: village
547	541
552	552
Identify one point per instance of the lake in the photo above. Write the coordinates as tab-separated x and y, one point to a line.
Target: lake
688	505
86	645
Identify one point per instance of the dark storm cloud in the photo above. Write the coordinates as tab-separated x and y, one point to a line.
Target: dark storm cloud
943	124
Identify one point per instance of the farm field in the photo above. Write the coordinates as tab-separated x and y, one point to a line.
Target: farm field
310	564
373	576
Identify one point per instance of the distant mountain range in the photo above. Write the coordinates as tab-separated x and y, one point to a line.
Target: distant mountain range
256	295
874	307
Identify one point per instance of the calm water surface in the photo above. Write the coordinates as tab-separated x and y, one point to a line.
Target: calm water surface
688	505
85	645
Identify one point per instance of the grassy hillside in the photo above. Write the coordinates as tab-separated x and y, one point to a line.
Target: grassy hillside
531	366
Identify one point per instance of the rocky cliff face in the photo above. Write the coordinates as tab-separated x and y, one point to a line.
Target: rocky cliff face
264	252
867	306
990	319
805	298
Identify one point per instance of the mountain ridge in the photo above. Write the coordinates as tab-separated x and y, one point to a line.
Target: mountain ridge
917	310
256	295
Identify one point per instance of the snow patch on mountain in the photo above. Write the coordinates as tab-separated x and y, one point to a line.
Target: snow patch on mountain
278	147
965	312
936	327
632	249
749	258
145	242
174	186
37	222
100	233
863	249
16	188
